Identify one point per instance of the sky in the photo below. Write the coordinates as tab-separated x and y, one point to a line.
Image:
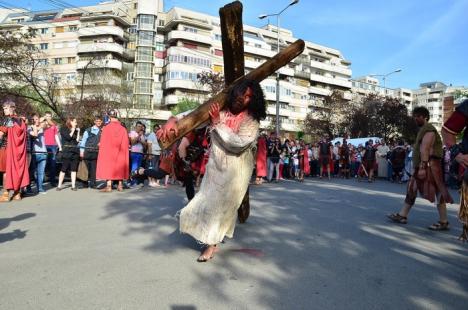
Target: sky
427	39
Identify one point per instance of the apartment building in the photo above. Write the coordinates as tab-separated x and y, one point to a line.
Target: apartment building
135	48
366	85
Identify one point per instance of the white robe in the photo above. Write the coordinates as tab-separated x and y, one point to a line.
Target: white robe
211	214
382	163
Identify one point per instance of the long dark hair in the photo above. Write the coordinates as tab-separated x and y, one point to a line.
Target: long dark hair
257	105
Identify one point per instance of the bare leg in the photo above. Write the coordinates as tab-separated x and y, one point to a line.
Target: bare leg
61	177
73	178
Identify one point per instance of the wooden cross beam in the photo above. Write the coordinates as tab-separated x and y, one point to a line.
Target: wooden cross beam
232	36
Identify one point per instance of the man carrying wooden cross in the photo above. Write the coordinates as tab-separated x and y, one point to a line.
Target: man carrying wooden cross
211	214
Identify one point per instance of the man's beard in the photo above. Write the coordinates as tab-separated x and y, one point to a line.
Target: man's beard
237	107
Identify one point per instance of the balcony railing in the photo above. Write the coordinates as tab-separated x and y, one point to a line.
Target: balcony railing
102	30
101	47
99	63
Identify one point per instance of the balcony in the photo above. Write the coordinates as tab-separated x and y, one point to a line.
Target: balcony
100	63
319	91
302	74
189	36
252	64
286	71
330	80
183	84
330	68
171	100
258	51
103	31
101	47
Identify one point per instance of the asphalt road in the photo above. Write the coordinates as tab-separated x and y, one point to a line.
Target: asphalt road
312	245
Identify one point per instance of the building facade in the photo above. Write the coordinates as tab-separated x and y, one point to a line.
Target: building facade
135	51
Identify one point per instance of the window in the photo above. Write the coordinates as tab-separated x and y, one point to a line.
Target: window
44	46
130	76
218	52
159	47
58	61
71	77
71	60
73	28
144	70
143	102
44	30
161	23
258	45
143	86
145	53
146	38
146	22
43	62
190	29
59	29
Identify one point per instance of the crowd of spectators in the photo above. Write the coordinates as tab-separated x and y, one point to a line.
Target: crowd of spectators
51	146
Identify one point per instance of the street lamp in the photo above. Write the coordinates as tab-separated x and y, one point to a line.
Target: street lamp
262	16
384	77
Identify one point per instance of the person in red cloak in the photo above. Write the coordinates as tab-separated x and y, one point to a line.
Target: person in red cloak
113	156
16	172
261	166
304	160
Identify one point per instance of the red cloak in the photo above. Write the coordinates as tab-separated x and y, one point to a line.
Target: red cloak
306	162
261	158
113	156
17	173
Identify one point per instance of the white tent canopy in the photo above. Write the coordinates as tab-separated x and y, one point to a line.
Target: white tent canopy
357	141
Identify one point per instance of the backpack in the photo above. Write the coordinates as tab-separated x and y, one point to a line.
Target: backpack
92	145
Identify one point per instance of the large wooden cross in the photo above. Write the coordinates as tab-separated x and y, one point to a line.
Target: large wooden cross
232	35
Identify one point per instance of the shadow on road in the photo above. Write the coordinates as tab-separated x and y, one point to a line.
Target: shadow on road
17	233
321	245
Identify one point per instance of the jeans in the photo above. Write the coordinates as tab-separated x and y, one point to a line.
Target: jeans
40	164
273	167
91	165
136	160
52	162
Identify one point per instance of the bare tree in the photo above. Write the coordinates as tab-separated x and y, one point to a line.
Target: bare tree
24	74
214	80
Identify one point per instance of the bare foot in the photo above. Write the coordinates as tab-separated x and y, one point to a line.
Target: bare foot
207	254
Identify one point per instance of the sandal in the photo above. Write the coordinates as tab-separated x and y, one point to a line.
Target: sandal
203	259
397	218
106	189
439	226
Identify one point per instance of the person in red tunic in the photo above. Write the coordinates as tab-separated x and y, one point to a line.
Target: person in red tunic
113	156
16	172
261	159
304	165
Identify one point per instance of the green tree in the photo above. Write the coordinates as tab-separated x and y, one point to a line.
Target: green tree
184	105
329	117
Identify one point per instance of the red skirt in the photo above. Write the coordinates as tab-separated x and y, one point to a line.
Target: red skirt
2	160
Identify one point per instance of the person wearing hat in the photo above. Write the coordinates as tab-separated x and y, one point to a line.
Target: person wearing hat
16	168
113	155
